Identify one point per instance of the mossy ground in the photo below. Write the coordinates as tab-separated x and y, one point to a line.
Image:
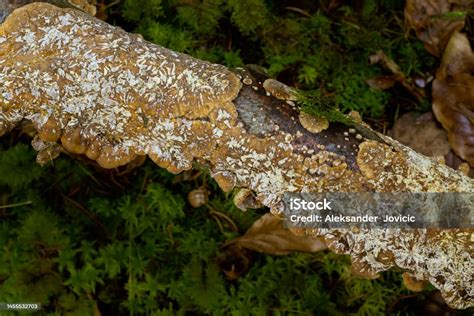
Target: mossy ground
128	242
131	244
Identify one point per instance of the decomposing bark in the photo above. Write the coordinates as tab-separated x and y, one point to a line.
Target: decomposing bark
113	97
7	6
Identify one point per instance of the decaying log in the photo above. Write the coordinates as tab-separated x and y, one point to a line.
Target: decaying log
112	96
7	6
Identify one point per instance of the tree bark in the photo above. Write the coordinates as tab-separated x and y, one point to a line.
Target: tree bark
113	97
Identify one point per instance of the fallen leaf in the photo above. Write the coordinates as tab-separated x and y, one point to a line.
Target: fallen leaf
383	82
235	261
421	133
434	21
268	235
453	96
424	134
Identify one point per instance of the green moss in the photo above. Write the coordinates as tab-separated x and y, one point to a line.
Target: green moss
136	247
321	104
307	45
248	15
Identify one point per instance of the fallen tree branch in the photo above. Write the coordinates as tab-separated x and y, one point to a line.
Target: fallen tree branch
113	97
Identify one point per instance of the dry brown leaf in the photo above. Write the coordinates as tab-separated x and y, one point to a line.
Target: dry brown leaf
268	235
453	96
235	261
425	135
421	133
434	21
384	82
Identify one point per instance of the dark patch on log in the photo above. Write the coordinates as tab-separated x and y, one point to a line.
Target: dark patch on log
261	114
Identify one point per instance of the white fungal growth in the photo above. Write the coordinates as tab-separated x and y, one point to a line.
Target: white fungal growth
100	77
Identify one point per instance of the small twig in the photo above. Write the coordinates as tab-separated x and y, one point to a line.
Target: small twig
170	233
400	77
298	10
221	228
85	211
114	181
233	226
112	4
145	180
15	204
87	172
357	27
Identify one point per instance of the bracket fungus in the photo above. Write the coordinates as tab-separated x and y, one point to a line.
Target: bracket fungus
110	95
313	123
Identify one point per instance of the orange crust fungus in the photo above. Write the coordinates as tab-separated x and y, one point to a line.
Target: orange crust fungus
112	96
104	92
279	90
245	199
313	123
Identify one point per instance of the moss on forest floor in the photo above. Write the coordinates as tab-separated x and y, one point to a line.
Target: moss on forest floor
132	244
